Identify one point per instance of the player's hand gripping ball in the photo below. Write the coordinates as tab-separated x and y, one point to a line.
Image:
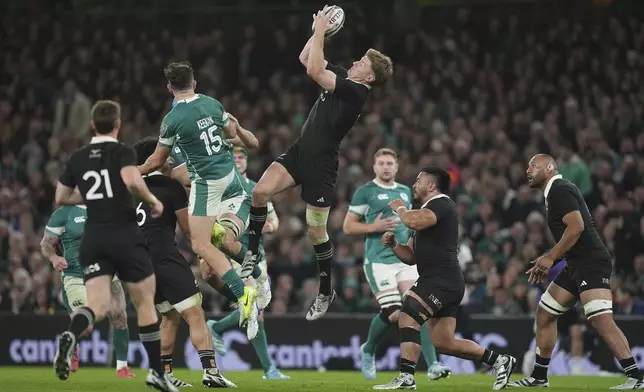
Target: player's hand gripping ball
336	20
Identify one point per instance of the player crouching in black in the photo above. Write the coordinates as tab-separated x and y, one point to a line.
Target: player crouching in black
177	291
585	278
437	293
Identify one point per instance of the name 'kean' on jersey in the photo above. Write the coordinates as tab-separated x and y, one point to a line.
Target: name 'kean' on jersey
96	170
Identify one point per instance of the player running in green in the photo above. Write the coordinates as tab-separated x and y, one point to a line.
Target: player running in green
201	128
65	228
389	278
260	343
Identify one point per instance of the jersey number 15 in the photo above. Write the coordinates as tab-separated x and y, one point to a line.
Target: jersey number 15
101	180
213	142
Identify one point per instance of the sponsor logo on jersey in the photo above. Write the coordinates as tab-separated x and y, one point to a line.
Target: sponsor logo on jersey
79	219
383	196
404	196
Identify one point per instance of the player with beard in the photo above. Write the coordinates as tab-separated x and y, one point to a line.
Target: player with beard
585	278
437	293
389	279
312	161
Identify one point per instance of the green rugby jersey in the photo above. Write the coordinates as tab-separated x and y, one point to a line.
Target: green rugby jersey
68	224
371	200
195	127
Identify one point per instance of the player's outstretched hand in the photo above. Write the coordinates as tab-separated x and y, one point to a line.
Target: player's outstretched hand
322	22
539	271
381	225
59	263
389	240
157	209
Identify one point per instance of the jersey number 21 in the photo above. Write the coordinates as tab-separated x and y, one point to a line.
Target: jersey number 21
100	180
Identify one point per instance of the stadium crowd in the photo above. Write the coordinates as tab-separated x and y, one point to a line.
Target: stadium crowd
478	95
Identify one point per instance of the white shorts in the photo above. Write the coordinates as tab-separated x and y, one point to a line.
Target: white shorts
75	291
383	277
206	196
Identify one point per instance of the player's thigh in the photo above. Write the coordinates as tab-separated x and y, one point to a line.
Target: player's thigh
132	259
75	293
206	195
593	281
234	214
316	219
441	298
280	176
561	294
200	229
406	276
99	292
442	331
177	283
382	281
318	192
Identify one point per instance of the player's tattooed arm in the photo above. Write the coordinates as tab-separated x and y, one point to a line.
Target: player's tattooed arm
48	246
67	196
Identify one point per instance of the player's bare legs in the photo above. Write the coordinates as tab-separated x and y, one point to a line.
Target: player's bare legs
200	230
316	218
416	312
555	302
170	322
275	180
118	320
98	303
598	307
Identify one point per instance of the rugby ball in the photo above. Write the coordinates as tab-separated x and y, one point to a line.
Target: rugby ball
336	18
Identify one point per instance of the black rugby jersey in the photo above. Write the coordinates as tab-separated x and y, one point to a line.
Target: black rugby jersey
96	170
436	247
333	115
563	197
160	232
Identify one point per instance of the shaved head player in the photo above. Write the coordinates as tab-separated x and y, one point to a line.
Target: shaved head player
585	278
312	161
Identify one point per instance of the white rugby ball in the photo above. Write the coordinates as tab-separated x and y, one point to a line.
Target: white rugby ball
336	18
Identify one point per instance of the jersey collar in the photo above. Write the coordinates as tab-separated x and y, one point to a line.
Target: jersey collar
103	139
394	186
188	100
433	198
549	184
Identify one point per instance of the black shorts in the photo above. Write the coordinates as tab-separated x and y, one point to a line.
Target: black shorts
316	174
121	249
443	299
177	287
579	277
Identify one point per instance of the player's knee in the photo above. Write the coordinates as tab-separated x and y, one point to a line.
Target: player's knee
262	193
543	318
599	312
413	310
317	234
549	305
390	314
443	343
194	316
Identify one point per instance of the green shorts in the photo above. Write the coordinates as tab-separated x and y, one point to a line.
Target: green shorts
216	197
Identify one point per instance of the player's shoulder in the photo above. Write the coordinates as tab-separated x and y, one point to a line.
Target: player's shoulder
366	188
560	186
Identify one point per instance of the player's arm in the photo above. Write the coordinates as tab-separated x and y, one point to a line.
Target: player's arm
304	54
51	238
180	173
66	191
565	203
244	137
131	176
182	220
354	219
156	160
404	253
272	220
417	219
315	64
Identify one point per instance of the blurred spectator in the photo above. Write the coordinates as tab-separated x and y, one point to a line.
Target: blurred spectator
71	113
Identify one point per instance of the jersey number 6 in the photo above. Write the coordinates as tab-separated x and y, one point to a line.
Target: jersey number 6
140	211
213	142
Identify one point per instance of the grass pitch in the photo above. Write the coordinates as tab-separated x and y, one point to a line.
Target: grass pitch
32	379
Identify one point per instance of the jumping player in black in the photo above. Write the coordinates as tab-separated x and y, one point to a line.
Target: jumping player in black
312	161
105	173
177	292
437	293
585	278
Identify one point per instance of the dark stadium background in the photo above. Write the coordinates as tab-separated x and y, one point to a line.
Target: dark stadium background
480	86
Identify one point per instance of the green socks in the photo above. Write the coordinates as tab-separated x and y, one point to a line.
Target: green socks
261	347
121	340
426	346
228	322
377	330
235	283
